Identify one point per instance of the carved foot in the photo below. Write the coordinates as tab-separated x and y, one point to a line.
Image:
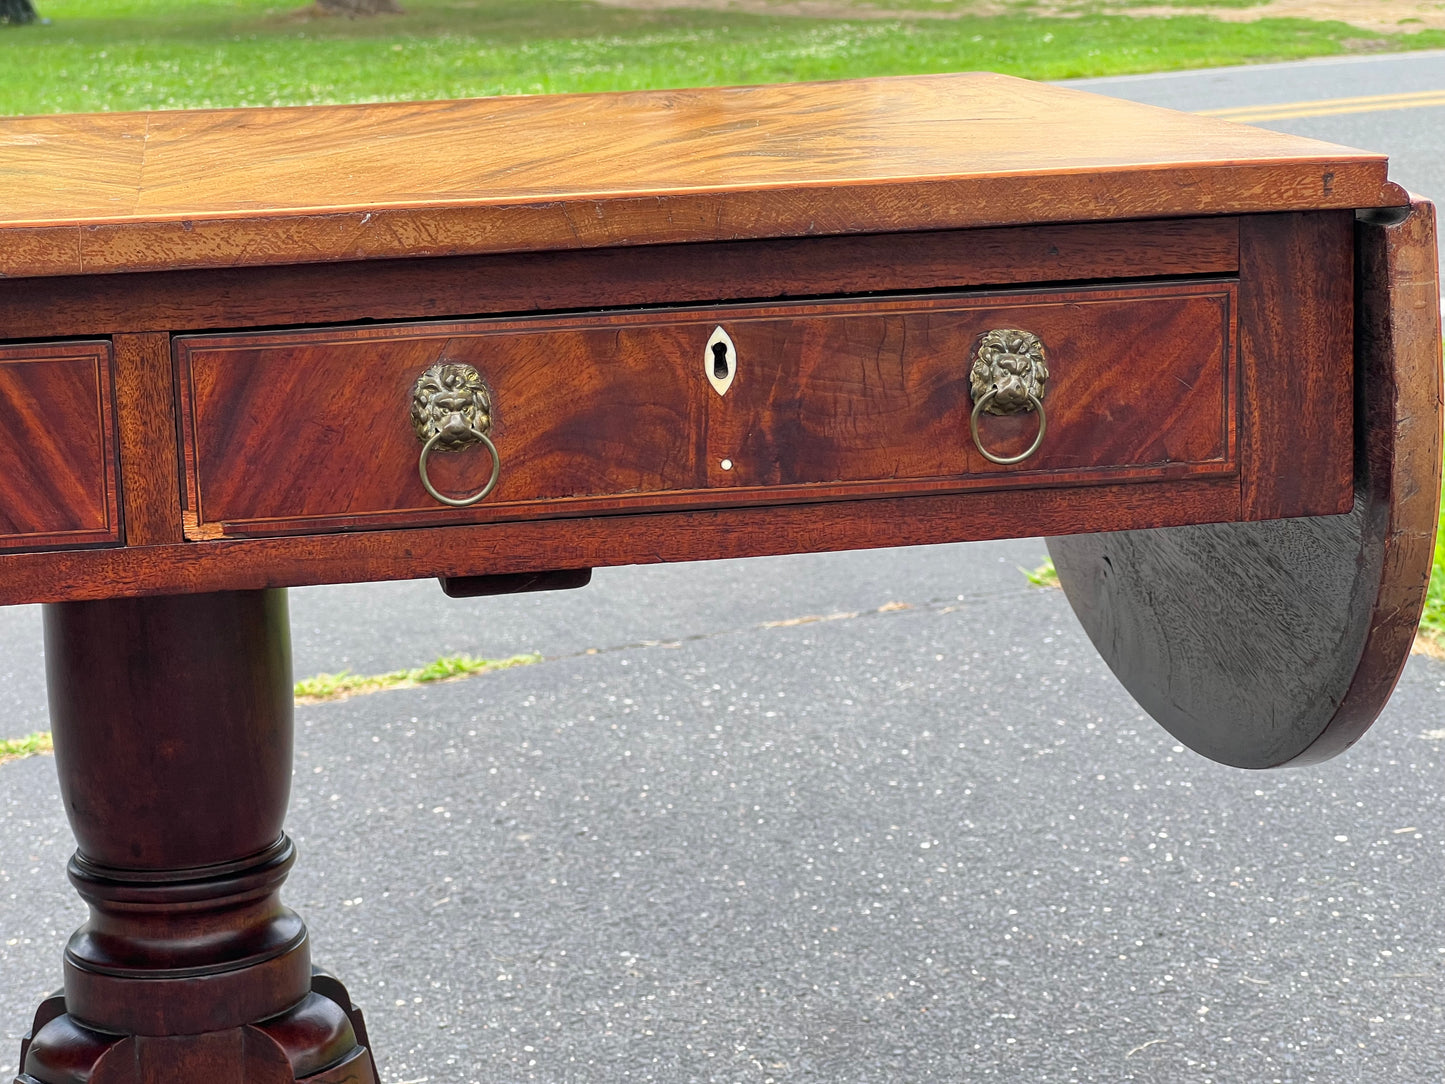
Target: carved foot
321	1040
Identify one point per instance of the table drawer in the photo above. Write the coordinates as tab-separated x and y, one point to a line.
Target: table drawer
309	430
57	446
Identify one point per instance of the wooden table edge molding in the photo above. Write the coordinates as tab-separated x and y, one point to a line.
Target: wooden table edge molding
504	341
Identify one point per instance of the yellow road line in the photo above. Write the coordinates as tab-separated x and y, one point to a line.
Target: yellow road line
1329	107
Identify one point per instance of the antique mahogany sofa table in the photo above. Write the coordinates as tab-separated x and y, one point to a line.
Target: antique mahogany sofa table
502	342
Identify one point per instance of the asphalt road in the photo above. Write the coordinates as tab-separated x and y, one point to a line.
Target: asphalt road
871	817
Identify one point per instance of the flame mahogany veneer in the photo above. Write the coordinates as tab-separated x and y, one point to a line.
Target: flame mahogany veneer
852	398
210	323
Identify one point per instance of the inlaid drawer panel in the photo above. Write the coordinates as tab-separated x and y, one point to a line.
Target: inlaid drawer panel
307	430
57	446
1139	385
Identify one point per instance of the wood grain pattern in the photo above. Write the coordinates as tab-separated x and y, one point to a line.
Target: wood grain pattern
595	407
57	446
77	306
1140	386
267	187
1296	311
149	462
1265	644
604	541
53	166
290	432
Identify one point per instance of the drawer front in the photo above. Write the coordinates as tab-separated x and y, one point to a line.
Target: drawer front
838	399
57	446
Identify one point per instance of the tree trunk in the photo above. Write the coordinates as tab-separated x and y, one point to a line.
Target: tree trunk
350	8
15	12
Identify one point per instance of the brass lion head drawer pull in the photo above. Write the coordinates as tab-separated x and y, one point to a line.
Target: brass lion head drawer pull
451	409
1008	376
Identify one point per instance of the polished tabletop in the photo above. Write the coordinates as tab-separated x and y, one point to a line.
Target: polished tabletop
143	191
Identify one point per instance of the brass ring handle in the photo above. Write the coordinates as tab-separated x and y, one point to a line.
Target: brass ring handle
460	502
983	401
451	407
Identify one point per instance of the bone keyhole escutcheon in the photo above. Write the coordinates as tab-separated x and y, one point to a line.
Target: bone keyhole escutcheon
720	361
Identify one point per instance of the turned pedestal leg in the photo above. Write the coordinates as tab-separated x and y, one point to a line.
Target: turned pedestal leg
172	726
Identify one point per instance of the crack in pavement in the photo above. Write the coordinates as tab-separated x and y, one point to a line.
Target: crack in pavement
932	606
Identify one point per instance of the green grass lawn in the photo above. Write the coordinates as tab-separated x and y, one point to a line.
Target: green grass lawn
144	54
